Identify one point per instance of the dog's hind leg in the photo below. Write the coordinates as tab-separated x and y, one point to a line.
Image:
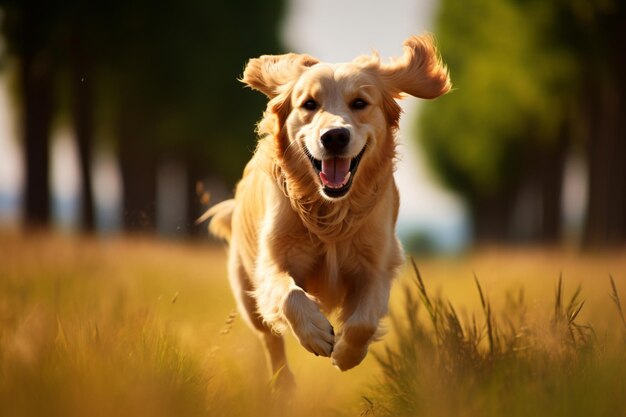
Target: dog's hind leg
274	343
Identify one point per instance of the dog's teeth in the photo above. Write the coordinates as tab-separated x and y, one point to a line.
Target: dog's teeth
346	179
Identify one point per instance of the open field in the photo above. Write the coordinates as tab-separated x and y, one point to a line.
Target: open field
138	327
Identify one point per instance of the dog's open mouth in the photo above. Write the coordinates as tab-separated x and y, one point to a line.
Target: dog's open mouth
336	174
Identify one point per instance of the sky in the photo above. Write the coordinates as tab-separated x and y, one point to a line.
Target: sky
10	159
331	30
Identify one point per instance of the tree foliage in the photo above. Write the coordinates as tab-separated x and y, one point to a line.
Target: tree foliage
510	89
525	73
159	78
178	63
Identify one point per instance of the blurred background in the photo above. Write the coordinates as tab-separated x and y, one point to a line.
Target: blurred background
122	120
127	116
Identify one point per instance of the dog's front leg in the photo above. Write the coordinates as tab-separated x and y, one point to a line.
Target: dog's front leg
282	303
361	314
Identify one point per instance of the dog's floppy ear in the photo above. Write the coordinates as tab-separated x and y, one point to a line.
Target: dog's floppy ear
419	72
270	73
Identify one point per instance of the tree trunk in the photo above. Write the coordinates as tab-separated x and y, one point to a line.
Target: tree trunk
616	214
197	198
138	166
82	110
606	99
553	168
491	218
618	208
36	85
606	207
598	156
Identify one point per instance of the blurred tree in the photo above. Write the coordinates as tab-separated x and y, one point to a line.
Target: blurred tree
597	32
50	40
504	128
159	77
534	79
172	83
29	31
81	40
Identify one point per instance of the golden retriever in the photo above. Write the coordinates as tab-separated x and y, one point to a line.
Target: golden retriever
312	225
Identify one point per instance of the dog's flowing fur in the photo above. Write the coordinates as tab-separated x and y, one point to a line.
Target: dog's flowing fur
295	253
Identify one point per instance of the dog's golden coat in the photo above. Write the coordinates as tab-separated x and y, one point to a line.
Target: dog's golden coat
296	253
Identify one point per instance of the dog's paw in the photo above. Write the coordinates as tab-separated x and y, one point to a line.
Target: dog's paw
309	325
346	357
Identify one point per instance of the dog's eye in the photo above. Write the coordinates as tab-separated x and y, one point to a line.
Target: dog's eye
358	104
310	105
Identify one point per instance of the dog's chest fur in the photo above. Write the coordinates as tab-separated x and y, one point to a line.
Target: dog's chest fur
328	271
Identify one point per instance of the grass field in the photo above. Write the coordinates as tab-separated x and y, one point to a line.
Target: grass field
138	327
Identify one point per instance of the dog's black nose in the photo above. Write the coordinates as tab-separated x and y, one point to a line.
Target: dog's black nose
334	140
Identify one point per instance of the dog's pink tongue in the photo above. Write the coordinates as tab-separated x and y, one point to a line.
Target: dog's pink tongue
335	171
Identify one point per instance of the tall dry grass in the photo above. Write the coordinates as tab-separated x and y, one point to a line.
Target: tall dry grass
94	328
122	326
502	363
135	327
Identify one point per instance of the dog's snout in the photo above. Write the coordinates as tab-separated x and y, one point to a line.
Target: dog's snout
335	140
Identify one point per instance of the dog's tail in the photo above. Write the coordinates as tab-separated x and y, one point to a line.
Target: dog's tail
221	222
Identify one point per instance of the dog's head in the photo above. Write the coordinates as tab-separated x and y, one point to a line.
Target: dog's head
339	119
